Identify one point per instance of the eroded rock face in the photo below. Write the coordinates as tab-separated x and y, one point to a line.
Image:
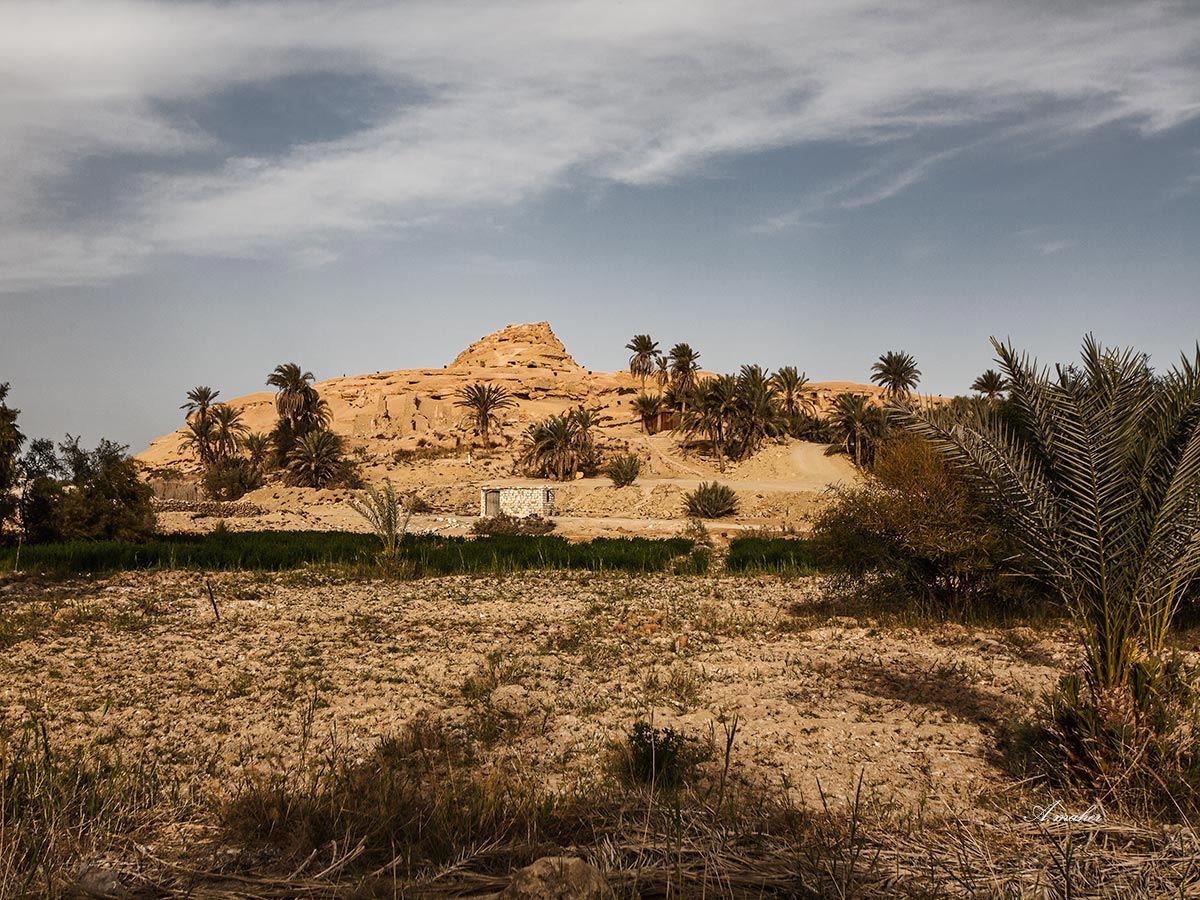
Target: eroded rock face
521	346
558	878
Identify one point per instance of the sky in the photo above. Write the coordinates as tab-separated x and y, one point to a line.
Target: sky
194	192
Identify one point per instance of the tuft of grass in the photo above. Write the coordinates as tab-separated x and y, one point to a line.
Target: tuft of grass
711	500
623	469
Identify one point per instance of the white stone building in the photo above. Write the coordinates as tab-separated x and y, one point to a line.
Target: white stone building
516	501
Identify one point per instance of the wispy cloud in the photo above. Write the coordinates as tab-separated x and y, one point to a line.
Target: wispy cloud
517	99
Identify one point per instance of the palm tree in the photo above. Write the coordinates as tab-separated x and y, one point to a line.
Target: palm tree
551	447
648	407
199	399
790	385
991	384
858	425
684	366
1101	485
199	431
227	431
483	403
662	371
710	406
257	446
897	373
645	351
316	459
756	411
296	400
199	436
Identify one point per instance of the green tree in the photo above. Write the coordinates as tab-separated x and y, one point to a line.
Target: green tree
645	352
858	426
299	406
199	427
991	384
552	447
684	364
107	500
897	373
316	459
662	371
11	441
790	385
228	431
648	407
756	413
483	403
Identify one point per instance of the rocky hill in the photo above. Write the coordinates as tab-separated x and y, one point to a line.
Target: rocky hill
409	409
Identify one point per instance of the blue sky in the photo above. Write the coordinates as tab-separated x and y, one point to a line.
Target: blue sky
196	191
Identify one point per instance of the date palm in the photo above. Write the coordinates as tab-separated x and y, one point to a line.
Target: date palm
258	447
756	411
790	385
991	384
199	399
684	366
316	459
857	424
296	400
897	373
645	351
662	371
483	403
1100	482
551	447
648	407
227	431
196	415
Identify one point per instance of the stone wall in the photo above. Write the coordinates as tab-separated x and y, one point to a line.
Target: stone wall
521	501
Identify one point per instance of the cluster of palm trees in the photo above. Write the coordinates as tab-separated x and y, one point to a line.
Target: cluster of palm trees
561	446
235	459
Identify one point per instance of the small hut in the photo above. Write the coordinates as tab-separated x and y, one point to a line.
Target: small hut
516	501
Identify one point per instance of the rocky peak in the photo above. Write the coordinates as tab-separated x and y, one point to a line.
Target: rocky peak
532	346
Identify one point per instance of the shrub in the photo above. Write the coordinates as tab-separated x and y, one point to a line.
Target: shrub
506	524
711	501
699	560
230	478
661	757
920	524
623	469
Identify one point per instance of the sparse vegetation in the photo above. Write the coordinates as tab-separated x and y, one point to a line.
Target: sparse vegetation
506	524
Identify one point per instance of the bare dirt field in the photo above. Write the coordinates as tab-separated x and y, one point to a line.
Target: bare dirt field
571	662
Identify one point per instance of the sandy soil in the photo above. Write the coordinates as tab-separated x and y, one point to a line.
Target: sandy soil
569	663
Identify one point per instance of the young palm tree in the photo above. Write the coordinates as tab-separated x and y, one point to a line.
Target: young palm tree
648	407
991	384
1101	485
645	351
708	410
483	403
316	459
227	430
897	373
296	400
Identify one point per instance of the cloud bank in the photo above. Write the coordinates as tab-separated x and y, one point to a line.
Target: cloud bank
489	105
